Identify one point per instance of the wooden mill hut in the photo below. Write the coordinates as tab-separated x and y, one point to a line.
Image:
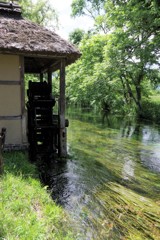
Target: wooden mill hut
26	47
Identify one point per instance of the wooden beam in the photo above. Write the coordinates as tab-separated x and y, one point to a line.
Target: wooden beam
50	66
18	117
7	82
62	129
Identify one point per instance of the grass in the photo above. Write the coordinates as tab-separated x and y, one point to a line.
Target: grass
26	209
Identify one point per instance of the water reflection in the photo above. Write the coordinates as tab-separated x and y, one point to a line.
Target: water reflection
151	157
149	137
54	175
151	161
128	169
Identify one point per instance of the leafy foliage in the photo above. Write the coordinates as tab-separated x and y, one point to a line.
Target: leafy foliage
93	8
82	85
76	36
39	11
133	48
122	70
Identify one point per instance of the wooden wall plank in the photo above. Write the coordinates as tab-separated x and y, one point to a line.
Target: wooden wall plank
17	117
7	82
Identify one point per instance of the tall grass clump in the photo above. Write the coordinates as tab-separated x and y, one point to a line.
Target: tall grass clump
26	210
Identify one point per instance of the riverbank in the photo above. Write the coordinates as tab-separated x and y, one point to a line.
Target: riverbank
109	186
27	211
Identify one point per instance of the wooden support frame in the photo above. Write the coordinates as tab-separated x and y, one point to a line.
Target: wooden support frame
2	141
22	85
62	104
41	77
50	79
23	112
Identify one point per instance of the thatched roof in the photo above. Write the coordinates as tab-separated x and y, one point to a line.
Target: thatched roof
38	44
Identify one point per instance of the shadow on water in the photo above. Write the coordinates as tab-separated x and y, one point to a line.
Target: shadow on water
54	176
71	179
110	181
72	184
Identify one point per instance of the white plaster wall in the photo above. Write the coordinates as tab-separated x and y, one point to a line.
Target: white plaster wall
10	100
14	131
9	67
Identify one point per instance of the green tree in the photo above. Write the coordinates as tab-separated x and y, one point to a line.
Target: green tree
92	8
39	11
87	82
76	36
134	45
130	56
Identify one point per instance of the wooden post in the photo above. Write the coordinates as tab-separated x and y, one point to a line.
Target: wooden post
22	85
1	158
50	79
2	141
23	111
41	77
62	129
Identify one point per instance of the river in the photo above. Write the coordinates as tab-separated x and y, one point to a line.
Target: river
110	183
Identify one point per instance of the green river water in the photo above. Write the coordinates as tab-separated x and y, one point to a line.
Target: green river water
110	183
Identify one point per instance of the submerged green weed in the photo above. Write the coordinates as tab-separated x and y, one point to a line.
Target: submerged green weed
124	193
128	214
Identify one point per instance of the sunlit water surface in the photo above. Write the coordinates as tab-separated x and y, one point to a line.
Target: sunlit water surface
110	183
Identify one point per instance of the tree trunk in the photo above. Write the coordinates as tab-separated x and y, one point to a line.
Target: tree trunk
139	92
